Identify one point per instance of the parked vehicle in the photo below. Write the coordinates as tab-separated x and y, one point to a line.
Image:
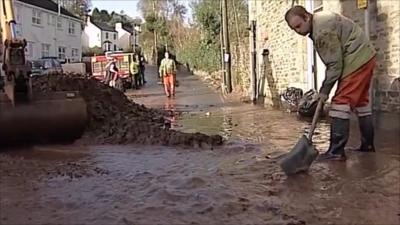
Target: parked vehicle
99	70
45	66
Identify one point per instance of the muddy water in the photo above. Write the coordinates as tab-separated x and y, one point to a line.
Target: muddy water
238	183
364	190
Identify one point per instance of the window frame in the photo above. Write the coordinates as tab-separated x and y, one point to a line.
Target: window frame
51	19
36	17
61	53
45	52
74	50
59	23
71	27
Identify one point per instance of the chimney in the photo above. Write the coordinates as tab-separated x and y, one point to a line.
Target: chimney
118	26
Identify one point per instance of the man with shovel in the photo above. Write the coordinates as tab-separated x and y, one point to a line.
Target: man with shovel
350	60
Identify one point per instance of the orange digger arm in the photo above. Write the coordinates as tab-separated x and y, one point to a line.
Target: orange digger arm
15	68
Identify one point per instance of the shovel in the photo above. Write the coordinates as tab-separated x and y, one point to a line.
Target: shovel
304	153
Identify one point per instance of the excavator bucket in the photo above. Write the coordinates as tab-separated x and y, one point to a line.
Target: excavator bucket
27	116
47	117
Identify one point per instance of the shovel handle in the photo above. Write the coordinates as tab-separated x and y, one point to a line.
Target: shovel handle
315	119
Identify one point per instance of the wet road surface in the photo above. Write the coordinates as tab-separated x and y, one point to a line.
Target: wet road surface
238	183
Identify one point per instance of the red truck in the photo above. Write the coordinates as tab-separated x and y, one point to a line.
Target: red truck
98	68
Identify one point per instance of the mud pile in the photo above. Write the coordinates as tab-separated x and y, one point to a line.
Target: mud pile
114	119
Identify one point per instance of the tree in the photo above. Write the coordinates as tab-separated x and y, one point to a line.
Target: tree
96	14
204	52
154	12
152	6
197	43
112	18
178	30
77	7
93	51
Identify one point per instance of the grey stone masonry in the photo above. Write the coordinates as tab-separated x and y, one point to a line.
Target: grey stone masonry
288	64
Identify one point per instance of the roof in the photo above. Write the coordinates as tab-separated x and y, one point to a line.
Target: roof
130	30
103	26
49	5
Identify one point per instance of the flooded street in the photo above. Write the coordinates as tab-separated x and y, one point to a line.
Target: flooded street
236	183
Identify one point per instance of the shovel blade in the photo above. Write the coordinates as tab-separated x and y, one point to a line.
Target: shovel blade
300	158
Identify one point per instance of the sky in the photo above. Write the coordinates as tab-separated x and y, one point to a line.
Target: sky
129	6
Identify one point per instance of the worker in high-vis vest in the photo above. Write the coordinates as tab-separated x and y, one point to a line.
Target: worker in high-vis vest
350	61
168	73
134	69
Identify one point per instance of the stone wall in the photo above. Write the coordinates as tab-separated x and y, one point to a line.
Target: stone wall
282	67
386	38
384	25
287	62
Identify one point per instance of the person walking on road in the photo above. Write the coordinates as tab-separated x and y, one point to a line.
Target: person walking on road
350	60
168	72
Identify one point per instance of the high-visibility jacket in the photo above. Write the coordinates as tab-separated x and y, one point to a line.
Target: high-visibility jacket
134	68
342	45
167	67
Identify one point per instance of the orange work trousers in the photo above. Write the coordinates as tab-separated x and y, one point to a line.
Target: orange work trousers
352	93
354	89
169	84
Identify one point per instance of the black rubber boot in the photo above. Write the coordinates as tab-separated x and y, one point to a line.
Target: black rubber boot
367	135
340	129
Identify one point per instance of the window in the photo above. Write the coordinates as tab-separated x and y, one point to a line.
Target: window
51	19
115	47
59	23
74	52
71	28
61	52
45	50
108	47
36	16
106	35
115	36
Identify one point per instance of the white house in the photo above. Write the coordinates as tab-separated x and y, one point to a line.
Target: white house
100	35
125	36
49	30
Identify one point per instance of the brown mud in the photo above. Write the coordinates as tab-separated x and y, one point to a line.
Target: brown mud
236	183
114	119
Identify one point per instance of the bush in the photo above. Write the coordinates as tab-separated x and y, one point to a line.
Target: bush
201	56
93	51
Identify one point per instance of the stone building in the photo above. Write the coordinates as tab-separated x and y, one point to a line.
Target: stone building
292	61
